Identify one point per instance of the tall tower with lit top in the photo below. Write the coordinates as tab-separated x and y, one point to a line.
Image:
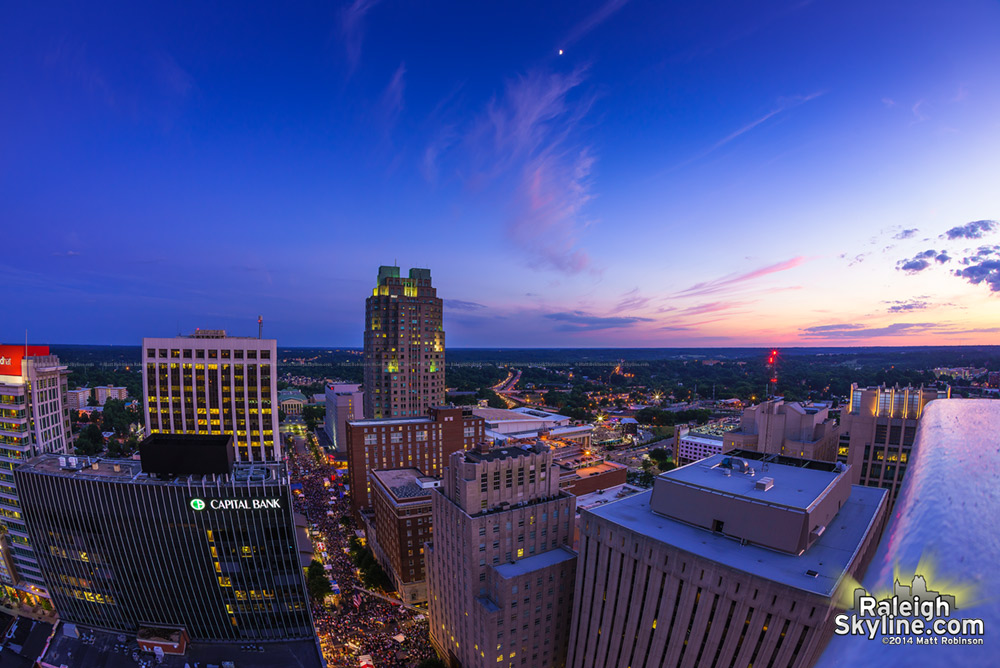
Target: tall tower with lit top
404	346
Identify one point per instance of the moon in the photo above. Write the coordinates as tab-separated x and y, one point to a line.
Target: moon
560	52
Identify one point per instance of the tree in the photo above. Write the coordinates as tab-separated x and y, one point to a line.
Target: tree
92	401
90	442
432	663
316	581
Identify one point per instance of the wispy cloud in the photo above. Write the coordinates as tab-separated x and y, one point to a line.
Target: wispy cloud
731	280
631	300
391	101
854	331
983	266
905	234
974	230
922	261
784	105
528	133
906	305
603	13
581	321
918	113
352	29
461	305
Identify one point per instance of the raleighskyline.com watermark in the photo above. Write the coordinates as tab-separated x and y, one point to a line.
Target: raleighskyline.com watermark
913	615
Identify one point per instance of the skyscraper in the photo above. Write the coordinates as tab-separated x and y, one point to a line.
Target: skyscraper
736	560
210	383
34	419
183	539
877	431
404	346
500	570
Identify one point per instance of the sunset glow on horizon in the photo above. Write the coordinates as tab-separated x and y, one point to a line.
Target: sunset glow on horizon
607	173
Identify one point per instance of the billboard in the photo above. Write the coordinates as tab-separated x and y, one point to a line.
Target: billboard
11	356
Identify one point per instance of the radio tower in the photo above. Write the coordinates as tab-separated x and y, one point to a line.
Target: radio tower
772	369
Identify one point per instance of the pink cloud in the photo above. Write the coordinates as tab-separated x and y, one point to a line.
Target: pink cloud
732	280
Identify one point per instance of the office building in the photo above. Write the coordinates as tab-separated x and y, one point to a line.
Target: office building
500	569
736	560
344	402
793	429
104	392
184	539
209	383
691	445
404	346
401	506
877	431
423	443
34	419
77	399
291	401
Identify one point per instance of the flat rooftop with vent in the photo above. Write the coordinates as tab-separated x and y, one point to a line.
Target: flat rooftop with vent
773	501
796	522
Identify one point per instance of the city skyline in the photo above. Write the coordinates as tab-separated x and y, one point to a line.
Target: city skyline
600	174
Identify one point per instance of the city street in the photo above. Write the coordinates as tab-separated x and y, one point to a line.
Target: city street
347	632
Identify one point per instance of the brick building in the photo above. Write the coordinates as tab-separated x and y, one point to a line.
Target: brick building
423	443
401	505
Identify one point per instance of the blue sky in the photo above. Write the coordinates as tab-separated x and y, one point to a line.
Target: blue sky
730	173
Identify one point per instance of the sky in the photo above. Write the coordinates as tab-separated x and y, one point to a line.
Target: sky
595	173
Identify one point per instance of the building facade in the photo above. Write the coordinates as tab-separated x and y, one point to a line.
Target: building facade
34	419
214	554
500	569
401	505
291	401
344	402
210	383
792	429
104	392
404	346
692	445
737	560
877	431
77	399
423	443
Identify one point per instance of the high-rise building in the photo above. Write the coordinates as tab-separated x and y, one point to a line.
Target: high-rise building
183	539
404	346
737	560
210	383
793	429
34	419
423	443
344	402
500	569
877	431
401	505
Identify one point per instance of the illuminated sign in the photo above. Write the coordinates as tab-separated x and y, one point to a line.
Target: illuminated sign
11	356
237	504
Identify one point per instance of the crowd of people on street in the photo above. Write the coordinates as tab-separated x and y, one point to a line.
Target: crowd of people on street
360	623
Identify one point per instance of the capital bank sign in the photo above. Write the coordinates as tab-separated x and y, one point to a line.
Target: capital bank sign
236	504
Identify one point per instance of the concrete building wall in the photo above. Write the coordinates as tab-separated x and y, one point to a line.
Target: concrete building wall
344	403
210	383
500	578
402	527
643	603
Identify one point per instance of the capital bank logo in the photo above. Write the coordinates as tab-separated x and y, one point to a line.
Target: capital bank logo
197	504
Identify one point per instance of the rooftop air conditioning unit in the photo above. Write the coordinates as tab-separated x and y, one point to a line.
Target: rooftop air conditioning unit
764	484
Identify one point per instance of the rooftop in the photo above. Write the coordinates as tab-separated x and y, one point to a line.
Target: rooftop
403	484
829	556
107	652
511	451
798	483
516	415
130	471
534	563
